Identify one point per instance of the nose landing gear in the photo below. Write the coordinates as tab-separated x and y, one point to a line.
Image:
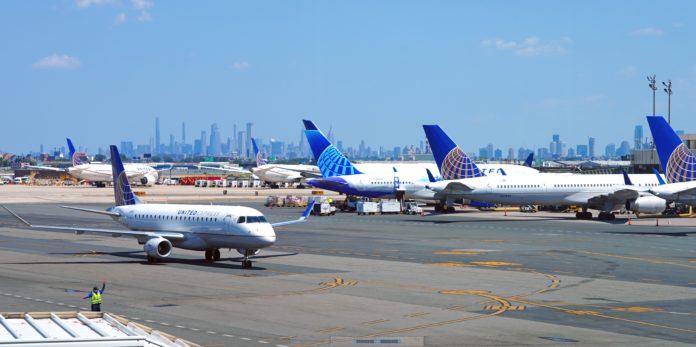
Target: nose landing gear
212	254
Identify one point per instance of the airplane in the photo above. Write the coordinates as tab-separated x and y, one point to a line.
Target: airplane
606	193
678	163
273	174
160	227
380	180
100	174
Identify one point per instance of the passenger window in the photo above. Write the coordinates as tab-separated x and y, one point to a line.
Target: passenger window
241	220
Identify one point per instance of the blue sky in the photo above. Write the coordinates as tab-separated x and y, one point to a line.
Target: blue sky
507	72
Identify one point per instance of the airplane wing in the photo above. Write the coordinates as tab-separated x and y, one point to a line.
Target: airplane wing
455	188
108	213
112	232
47	168
231	170
304	217
616	198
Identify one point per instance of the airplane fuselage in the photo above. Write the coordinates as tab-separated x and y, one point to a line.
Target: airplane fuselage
102	172
204	227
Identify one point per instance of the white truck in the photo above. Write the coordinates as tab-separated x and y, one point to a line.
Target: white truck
367	207
389	206
323	209
411	207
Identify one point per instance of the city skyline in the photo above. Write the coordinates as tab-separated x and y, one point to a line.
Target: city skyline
507	73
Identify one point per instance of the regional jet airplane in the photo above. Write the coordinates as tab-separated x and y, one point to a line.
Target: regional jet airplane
160	227
101	173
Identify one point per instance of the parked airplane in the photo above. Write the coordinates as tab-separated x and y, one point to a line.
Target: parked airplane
678	163
101	173
606	193
160	227
382	180
281	173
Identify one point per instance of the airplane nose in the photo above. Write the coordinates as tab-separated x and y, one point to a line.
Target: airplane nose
265	236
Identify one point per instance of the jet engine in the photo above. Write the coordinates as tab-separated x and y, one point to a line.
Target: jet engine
649	205
148	180
158	247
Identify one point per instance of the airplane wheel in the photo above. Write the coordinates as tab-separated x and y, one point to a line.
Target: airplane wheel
208	255
216	254
151	260
450	209
246	264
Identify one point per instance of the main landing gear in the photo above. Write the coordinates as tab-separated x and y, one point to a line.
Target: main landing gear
606	216
583	215
152	260
212	254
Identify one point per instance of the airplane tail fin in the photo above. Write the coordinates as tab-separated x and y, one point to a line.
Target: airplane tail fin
678	162
122	189
329	159
659	178
74	156
530	160
451	160
259	160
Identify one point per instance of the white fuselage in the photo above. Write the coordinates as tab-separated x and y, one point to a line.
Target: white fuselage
102	172
381	180
544	189
281	173
205	227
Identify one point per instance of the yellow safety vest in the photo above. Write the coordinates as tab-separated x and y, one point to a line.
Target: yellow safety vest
96	298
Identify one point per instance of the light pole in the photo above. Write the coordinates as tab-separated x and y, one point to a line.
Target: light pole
652	86
668	90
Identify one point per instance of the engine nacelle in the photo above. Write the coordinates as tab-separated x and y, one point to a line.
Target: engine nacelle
649	205
158	247
248	252
148	180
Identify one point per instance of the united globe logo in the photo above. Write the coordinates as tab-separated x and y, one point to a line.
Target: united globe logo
125	195
457	165
681	165
332	163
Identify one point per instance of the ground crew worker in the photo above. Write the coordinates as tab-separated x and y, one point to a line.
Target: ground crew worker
95	297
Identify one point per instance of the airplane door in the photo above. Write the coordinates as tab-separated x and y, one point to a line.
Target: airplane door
228	222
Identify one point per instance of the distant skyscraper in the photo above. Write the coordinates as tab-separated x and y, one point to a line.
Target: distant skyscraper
171	144
610	151
204	144
183	133
240	145
591	147
157	136
234	140
638	137
214	140
511	153
581	151
248	139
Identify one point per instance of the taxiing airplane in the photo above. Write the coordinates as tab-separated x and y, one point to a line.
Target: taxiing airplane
382	180
606	193
160	227
100	174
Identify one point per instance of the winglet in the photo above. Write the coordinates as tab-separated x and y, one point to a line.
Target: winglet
451	160
659	177
627	180
305	216
122	189
431	178
329	159
530	160
308	210
17	216
678	162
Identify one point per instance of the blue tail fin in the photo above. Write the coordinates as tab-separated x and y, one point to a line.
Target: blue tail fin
309	125
122	189
257	154
678	162
431	178
329	159
530	160
451	160
627	180
74	156
659	178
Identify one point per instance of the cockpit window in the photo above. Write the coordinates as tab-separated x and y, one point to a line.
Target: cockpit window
252	219
262	219
241	220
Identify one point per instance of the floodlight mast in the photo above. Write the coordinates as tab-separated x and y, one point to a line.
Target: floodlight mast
653	86
668	90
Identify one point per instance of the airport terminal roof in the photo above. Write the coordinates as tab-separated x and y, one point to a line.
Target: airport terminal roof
80	329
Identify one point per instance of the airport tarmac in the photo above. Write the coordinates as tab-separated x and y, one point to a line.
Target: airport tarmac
464	279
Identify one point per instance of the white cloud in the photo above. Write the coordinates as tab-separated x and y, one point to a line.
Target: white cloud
120	18
90	3
648	32
240	65
144	17
530	47
142	4
56	61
